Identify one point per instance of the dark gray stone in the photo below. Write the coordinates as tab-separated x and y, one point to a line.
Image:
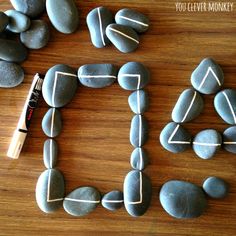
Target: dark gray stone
175	138
133	76
206	143
31	8
113	200
37	36
4	20
139	101
139	159
138	131
135	183
11	74
229	139
133	19
97	20
124	38
50	152
50	190
215	187
52	123
97	75
225	105
182	199
208	77
12	51
63	14
189	106
60	85
81	201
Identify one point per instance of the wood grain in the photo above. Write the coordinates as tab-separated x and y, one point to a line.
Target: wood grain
94	144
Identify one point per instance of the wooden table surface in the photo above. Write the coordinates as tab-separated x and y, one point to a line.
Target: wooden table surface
94	144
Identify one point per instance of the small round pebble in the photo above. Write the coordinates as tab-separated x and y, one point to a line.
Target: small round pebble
37	36
124	38
133	76
52	123
50	151
229	139
18	22
139	159
113	200
206	143
133	19
4	20
11	74
215	187
208	77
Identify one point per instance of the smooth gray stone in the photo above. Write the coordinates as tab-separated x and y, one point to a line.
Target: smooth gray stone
50	152
113	200
139	101
206	143
37	36
133	19
208	77
11	74
31	8
138	131
97	20
215	187
81	201
124	38
18	22
175	138
139	159
12	51
182	199
63	80
189	106
52	123
49	196
229	139
97	75
63	14
133	76
225	105
135	203
4	20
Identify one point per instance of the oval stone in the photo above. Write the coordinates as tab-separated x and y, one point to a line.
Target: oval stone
208	77
12	51
50	190
97	75
97	20
225	105
81	201
138	131
113	200
59	86
175	138
215	187
124	38
133	19
52	123
138	101
11	74
139	159
50	151
133	76
31	8
229	139
137	193
4	20
37	36
189	106
63	14
182	199
206	143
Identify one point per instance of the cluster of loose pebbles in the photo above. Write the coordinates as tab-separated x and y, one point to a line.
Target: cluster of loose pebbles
59	87
123	33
